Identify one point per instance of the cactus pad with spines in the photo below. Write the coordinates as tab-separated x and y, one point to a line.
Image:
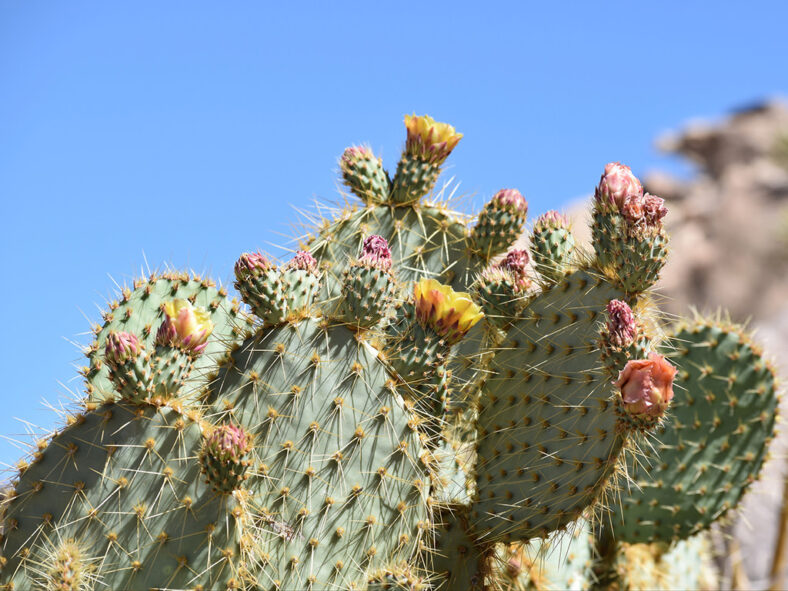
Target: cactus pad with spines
499	224
425	240
455	560
561	562
121	480
552	245
633	256
337	464
139	312
712	448
548	436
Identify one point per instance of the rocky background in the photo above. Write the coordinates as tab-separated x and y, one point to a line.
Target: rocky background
729	243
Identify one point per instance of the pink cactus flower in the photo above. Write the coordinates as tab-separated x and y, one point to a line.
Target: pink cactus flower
616	184
375	252
654	209
633	208
510	199
251	264
621	329
121	346
647	385
304	261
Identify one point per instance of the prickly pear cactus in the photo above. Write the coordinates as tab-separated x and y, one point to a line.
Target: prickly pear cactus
408	403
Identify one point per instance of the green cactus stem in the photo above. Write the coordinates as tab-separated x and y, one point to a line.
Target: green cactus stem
363	173
500	222
428	145
552	246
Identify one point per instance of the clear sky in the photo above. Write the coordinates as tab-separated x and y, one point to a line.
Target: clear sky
186	132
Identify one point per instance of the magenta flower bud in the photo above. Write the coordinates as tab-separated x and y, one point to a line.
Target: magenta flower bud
251	264
616	184
621	328
510	199
550	220
654	209
375	252
352	155
228	442
121	346
304	261
167	334
516	262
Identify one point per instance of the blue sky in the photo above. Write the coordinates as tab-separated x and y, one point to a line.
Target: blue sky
183	132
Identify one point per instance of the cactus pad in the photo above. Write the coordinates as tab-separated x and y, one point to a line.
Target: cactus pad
139	312
548	437
712	449
337	464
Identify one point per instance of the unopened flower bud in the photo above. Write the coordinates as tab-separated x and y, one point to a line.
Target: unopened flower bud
616	184
516	261
621	328
511	200
375	252
228	442
550	220
304	261
121	346
647	386
251	264
353	155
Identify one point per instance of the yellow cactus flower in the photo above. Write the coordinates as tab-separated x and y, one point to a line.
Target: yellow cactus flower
449	313
430	139
184	325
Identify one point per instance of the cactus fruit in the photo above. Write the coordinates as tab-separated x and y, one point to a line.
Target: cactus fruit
364	175
500	223
552	245
428	145
404	410
629	239
369	285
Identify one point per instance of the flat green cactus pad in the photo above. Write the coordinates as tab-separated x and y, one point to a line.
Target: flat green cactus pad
139	312
548	441
337	468
424	240
712	447
119	491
